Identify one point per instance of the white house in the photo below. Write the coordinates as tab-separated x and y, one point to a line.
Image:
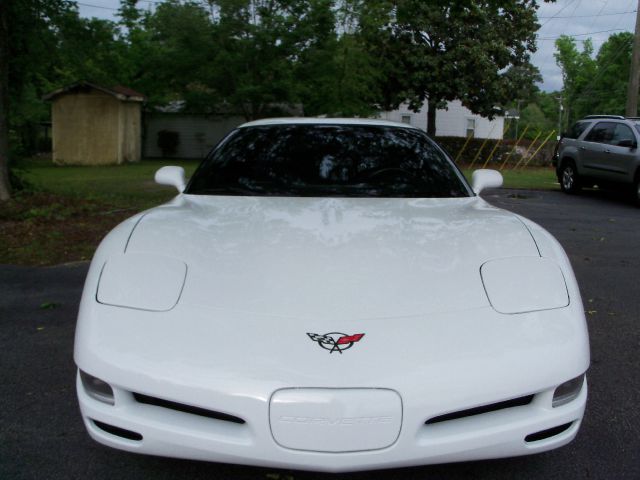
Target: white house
455	121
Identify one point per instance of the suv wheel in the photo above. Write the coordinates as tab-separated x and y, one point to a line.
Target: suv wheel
636	190
568	178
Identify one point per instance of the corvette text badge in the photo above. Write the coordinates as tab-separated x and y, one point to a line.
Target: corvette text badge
336	341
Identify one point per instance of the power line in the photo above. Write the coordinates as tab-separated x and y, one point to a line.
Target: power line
629	5
576	7
583	34
557	13
589	16
96	6
111	8
604	5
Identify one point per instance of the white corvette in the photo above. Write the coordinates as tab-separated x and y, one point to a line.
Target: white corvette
330	294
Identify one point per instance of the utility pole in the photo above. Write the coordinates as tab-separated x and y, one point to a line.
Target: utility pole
518	117
631	109
560	109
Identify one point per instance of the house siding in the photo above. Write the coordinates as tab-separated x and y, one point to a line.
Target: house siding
450	122
198	134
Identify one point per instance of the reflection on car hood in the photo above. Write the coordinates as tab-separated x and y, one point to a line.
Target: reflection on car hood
334	258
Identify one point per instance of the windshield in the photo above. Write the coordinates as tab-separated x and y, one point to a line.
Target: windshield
328	160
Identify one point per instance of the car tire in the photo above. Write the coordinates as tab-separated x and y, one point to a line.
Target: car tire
636	190
568	177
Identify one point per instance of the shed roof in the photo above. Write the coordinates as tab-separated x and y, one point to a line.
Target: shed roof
124	94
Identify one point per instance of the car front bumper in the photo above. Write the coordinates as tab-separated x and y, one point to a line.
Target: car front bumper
172	433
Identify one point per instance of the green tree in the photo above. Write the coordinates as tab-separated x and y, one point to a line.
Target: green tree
594	85
87	49
609	87
315	69
171	52
446	50
257	44
245	55
45	44
578	70
539	112
27	37
533	116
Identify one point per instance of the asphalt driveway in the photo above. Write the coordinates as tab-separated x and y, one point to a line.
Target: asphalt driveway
42	436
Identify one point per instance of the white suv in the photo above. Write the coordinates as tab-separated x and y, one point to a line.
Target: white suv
599	150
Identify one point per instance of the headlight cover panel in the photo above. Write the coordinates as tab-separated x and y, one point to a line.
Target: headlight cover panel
141	281
524	284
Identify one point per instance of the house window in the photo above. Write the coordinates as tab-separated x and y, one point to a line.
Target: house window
406	119
471	127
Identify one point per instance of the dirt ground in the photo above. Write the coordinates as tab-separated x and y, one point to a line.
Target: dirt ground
49	229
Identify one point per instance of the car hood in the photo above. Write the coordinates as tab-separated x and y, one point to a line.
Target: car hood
331	258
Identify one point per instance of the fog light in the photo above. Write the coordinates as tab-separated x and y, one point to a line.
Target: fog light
96	388
568	391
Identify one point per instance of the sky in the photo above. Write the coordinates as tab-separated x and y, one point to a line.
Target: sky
595	19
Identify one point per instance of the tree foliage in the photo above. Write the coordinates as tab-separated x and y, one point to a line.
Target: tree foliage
348	57
28	34
594	85
609	88
541	114
334	57
477	52
578	69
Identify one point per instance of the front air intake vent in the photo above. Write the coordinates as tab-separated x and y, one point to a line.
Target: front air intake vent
179	407
544	434
117	431
516	402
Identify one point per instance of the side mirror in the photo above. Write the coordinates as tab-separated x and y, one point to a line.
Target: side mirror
172	176
627	142
485	178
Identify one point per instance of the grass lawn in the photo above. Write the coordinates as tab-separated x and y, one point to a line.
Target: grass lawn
125	186
132	185
68	210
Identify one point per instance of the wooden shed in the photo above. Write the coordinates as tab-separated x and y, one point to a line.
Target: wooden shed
95	125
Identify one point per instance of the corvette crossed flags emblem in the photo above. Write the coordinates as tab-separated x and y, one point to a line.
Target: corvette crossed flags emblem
336	341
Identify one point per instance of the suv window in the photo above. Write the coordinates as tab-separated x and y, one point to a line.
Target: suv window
601	133
577	129
622	132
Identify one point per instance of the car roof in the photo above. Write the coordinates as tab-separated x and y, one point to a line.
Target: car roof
599	117
611	118
326	121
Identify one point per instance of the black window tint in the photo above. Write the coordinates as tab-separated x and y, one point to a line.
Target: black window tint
577	129
601	133
328	160
621	133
